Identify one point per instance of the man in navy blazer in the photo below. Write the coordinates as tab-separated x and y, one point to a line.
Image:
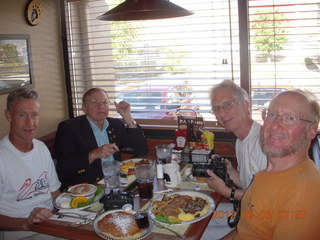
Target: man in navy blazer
83	142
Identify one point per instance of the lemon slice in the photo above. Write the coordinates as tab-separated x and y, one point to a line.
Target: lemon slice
77	200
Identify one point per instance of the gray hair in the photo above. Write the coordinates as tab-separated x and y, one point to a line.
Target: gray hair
19	94
239	93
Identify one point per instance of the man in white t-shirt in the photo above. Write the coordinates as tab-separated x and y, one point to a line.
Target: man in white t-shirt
230	104
28	180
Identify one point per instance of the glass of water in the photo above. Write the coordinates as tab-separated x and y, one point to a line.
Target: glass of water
111	173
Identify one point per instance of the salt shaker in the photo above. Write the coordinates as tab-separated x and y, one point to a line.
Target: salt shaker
159	169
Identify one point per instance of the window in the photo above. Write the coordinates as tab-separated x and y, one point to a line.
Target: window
284	48
168	65
159	66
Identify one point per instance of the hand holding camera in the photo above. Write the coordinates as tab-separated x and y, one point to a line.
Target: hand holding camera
217	165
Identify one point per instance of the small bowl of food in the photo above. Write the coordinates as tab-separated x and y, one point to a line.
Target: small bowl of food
84	190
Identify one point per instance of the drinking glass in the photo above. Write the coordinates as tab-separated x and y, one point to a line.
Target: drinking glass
145	176
111	173
163	152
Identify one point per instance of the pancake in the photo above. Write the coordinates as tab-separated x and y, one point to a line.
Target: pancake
126	166
119	225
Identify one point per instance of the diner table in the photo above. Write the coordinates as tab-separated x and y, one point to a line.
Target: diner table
84	232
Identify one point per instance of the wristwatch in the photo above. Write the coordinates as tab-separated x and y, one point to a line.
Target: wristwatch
233	191
133	123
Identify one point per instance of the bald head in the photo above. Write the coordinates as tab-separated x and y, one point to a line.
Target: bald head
304	103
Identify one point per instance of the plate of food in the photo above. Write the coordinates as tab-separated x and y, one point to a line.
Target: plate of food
191	178
182	207
67	200
120	224
131	163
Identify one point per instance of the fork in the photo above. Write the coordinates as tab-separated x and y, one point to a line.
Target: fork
163	227
87	221
72	215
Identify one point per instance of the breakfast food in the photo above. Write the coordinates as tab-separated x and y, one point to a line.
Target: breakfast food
82	189
176	208
119	225
131	164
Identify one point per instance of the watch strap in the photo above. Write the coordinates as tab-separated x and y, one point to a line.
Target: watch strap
233	192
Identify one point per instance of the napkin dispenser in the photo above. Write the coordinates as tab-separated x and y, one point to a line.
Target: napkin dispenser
116	199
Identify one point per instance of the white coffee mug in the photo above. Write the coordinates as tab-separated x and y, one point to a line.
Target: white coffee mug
172	176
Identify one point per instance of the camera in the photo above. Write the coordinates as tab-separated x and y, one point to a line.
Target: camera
116	199
217	165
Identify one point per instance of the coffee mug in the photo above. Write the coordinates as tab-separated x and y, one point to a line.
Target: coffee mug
172	176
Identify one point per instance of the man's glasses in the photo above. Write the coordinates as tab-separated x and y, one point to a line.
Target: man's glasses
225	106
95	102
286	119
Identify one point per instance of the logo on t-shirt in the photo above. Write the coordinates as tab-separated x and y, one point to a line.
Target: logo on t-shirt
31	189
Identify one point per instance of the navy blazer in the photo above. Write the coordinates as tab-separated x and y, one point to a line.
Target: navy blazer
75	139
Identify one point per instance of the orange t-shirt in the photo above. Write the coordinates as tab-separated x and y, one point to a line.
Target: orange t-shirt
282	205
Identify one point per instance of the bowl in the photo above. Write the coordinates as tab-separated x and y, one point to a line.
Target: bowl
84	189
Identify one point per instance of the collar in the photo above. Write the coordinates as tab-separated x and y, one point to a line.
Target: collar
95	127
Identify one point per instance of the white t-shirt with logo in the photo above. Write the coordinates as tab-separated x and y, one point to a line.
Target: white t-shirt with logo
250	157
26	179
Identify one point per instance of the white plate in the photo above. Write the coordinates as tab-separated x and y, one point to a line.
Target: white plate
67	197
191	178
188	193
146	232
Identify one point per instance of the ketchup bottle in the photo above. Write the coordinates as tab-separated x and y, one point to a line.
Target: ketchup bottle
181	137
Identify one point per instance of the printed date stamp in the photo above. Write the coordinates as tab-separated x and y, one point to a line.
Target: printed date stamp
264	214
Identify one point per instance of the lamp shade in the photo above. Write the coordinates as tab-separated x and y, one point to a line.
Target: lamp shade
144	10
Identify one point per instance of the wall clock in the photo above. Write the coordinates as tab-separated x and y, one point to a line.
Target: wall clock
34	12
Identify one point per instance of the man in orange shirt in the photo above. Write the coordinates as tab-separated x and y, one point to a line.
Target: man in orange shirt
283	201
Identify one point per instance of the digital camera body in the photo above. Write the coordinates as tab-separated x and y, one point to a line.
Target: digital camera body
116	199
217	165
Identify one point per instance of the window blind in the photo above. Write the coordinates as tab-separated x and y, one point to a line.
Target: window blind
284	47
162	67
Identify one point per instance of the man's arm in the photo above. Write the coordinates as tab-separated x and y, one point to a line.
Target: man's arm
22	224
13	224
55	194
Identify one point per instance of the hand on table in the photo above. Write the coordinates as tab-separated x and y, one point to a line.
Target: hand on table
38	215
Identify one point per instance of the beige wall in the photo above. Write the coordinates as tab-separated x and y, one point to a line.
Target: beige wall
47	60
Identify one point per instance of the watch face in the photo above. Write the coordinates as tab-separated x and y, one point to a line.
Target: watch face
34	12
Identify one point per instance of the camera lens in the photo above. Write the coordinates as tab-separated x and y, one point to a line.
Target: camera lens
200	170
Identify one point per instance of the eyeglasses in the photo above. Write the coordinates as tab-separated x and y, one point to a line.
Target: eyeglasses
286	119
95	102
225	106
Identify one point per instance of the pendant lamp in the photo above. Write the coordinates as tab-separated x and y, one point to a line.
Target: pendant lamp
144	10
